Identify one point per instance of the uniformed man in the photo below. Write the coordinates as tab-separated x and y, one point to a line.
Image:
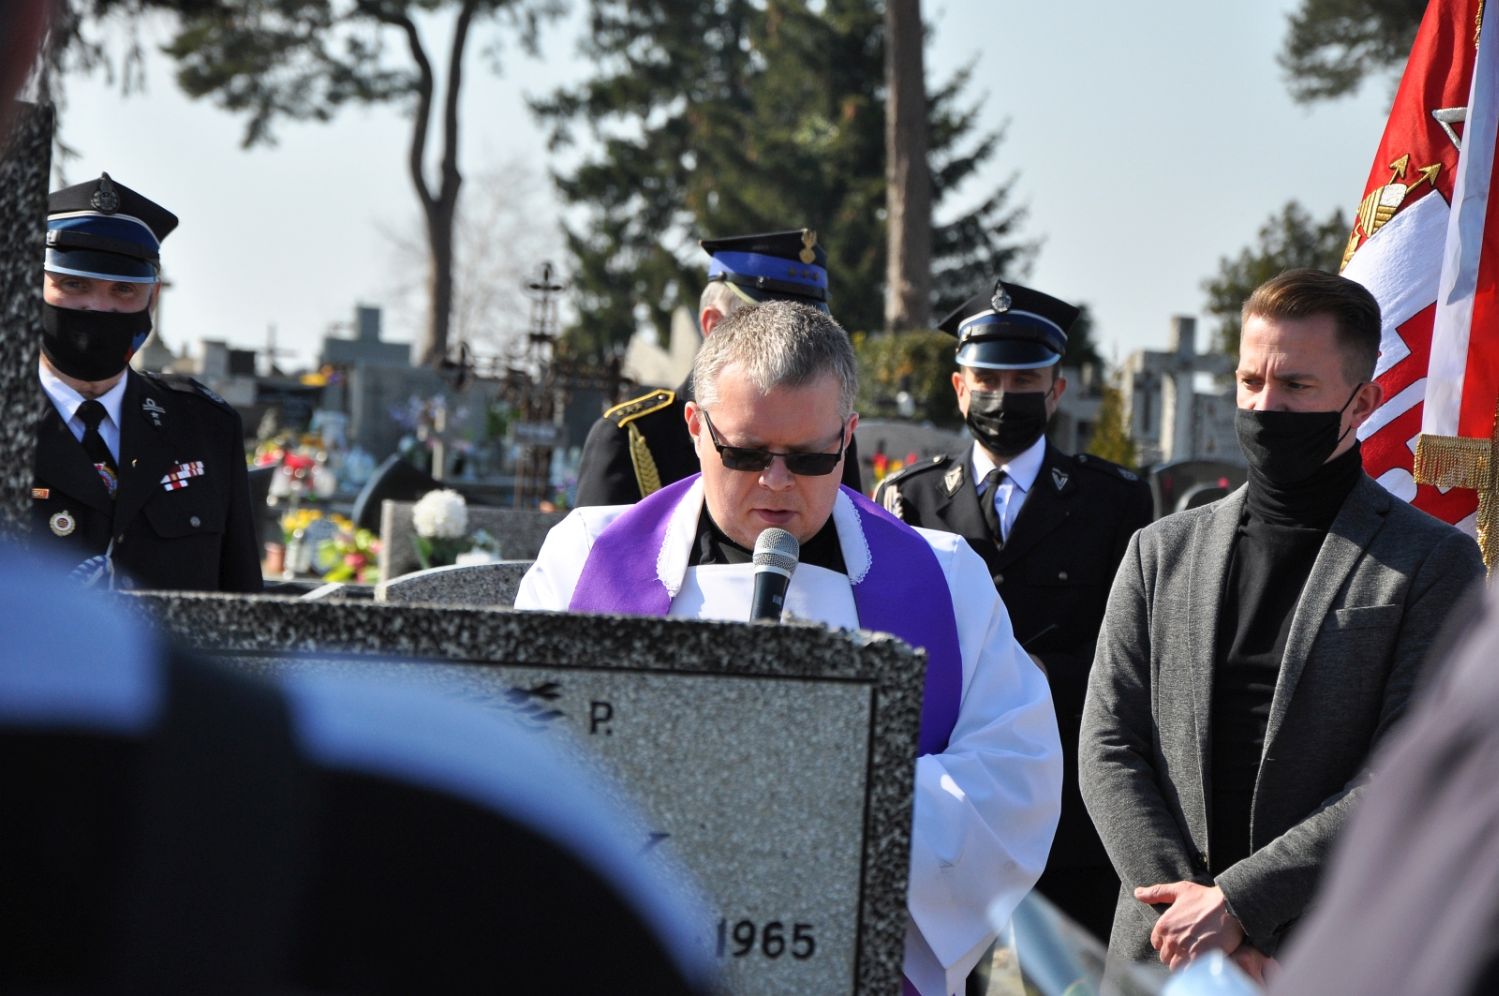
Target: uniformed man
1052	528
139	479
642	445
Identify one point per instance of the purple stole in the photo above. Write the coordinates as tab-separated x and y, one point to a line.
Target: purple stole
904	593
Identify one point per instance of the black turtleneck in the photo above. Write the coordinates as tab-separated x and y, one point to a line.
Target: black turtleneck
713	546
1278	539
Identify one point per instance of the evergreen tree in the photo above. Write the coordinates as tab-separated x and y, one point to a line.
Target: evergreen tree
1332	45
1288	240
1111	436
737	116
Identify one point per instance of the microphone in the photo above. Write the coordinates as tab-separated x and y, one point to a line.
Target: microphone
776	553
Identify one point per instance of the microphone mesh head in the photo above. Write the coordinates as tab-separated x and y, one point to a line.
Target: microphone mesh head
777	548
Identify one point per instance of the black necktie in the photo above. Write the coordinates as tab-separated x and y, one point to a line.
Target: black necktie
986	504
92	413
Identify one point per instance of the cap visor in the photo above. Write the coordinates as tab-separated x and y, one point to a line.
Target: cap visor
1001	354
100	266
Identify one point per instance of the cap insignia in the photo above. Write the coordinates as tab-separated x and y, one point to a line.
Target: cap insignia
1001	298
105	198
809	239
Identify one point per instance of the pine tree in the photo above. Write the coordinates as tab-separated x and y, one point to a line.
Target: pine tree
738	116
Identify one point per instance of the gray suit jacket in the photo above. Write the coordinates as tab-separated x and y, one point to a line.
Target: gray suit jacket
1380	588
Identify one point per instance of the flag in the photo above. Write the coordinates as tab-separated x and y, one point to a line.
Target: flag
1417	244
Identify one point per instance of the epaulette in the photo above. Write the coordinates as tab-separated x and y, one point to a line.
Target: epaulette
916	468
1103	466
187	385
626	412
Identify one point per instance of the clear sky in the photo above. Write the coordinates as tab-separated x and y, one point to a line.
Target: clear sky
1148	139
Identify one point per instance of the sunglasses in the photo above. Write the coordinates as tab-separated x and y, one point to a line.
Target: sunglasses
800	464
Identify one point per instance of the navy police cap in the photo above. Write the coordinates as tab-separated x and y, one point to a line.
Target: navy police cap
104	230
772	265
1010	328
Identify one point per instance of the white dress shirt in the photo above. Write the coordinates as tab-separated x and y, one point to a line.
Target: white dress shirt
1020	475
67	402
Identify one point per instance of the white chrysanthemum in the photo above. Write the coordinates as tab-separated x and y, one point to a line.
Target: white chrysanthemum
440	515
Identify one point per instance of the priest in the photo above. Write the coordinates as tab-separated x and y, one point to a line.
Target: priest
771	421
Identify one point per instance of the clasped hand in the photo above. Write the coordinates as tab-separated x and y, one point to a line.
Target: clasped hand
1197	922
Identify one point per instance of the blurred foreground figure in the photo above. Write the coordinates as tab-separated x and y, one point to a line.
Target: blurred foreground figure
169	827
1411	904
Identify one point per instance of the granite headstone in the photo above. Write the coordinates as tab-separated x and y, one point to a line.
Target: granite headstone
519	532
25	159
774	762
469	584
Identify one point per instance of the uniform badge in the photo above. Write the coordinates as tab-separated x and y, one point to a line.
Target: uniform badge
893	503
1058	478
178	476
953	479
105	199
809	239
41	494
153	411
1000	300
62	524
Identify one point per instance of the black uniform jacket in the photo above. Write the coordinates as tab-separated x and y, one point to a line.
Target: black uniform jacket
1054	576
642	445
181	517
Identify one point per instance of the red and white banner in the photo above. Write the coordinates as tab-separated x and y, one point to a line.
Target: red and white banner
1418	246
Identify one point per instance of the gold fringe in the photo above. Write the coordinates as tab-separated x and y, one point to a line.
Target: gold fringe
1453	462
1465	462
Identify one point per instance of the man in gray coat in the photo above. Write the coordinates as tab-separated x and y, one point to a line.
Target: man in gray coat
1255	651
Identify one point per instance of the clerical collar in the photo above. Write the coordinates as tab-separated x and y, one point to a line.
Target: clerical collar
713	546
1313	502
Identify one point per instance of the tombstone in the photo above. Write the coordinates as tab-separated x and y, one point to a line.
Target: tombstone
25	159
519	531
470	584
800	841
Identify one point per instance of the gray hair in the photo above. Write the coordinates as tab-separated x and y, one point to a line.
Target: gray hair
779	344
719	295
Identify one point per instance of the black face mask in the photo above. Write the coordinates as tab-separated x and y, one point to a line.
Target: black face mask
92	345
1006	422
1286	448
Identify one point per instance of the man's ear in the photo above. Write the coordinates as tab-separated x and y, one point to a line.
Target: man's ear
694	423
708	319
1368	398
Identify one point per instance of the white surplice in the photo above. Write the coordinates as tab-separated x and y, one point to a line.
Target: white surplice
986	807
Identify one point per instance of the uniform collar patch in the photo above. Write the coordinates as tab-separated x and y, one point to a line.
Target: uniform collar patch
953	480
1059	478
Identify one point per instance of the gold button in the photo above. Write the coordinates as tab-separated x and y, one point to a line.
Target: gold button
999	579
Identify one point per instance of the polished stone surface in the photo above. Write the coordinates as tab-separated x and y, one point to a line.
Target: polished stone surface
774	762
478	584
25	158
